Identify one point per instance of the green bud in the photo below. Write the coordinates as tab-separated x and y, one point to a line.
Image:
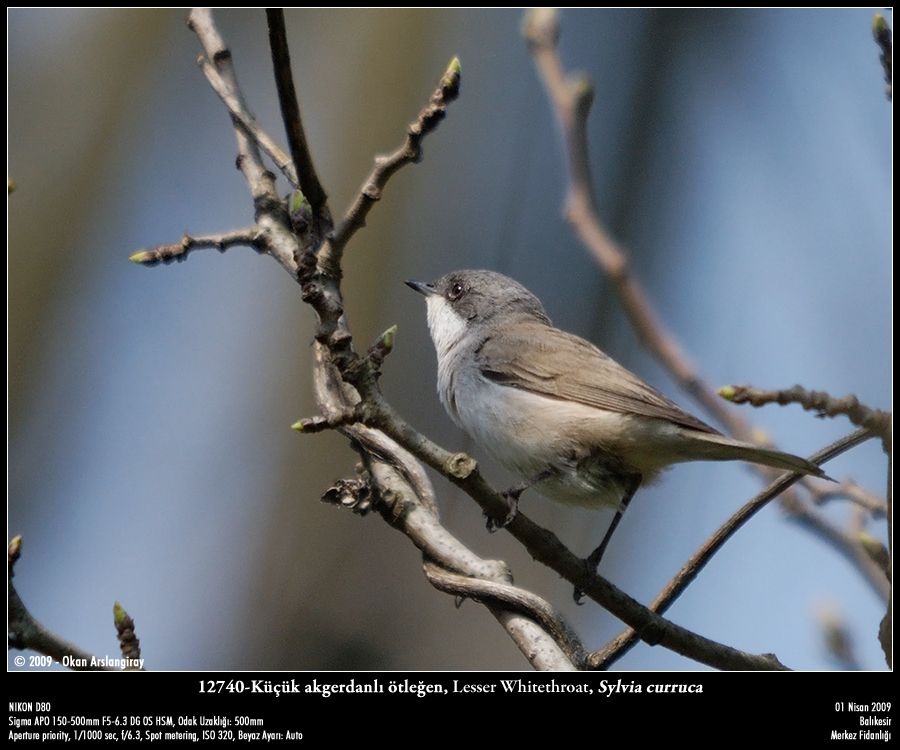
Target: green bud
451	78
298	201
387	338
119	614
141	257
15	547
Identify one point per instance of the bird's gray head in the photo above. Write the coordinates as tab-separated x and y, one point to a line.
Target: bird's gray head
464	301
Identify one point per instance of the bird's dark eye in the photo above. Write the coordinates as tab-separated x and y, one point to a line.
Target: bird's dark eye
456	291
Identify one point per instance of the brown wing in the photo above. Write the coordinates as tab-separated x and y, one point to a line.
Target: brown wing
522	359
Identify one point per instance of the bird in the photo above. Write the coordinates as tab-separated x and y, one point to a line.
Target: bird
554	409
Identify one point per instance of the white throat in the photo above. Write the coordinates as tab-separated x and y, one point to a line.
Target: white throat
446	326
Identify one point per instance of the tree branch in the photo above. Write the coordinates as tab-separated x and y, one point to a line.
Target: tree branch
241	114
248	236
878	422
621	644
542	637
290	112
260	180
863	498
24	631
504	598
850	547
409	152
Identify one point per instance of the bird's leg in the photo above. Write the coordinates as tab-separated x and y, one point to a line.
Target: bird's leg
632	483
512	498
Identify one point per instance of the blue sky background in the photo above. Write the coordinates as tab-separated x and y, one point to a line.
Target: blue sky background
743	157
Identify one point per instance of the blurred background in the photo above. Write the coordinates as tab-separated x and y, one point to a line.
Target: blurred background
743	157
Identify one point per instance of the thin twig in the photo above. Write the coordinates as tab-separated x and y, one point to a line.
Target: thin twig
409	152
850	546
882	33
248	237
823	492
24	631
240	113
260	180
621	644
823	404
290	113
507	596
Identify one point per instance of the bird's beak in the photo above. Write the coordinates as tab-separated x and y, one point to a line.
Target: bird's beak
422	288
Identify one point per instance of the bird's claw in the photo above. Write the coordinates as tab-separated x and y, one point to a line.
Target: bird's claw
512	498
591	563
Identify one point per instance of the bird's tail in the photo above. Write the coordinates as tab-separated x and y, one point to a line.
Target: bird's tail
721	448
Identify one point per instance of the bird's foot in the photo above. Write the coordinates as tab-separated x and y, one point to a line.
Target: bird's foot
512	499
591	563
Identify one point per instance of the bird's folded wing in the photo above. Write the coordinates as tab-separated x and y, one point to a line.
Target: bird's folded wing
525	357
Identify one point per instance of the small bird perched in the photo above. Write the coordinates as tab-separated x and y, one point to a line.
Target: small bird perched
555	409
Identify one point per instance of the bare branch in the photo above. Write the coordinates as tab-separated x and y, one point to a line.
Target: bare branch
249	237
386	166
251	126
504	596
312	425
290	112
26	632
848	545
259	179
621	644
822	492
824	404
541	635
882	33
